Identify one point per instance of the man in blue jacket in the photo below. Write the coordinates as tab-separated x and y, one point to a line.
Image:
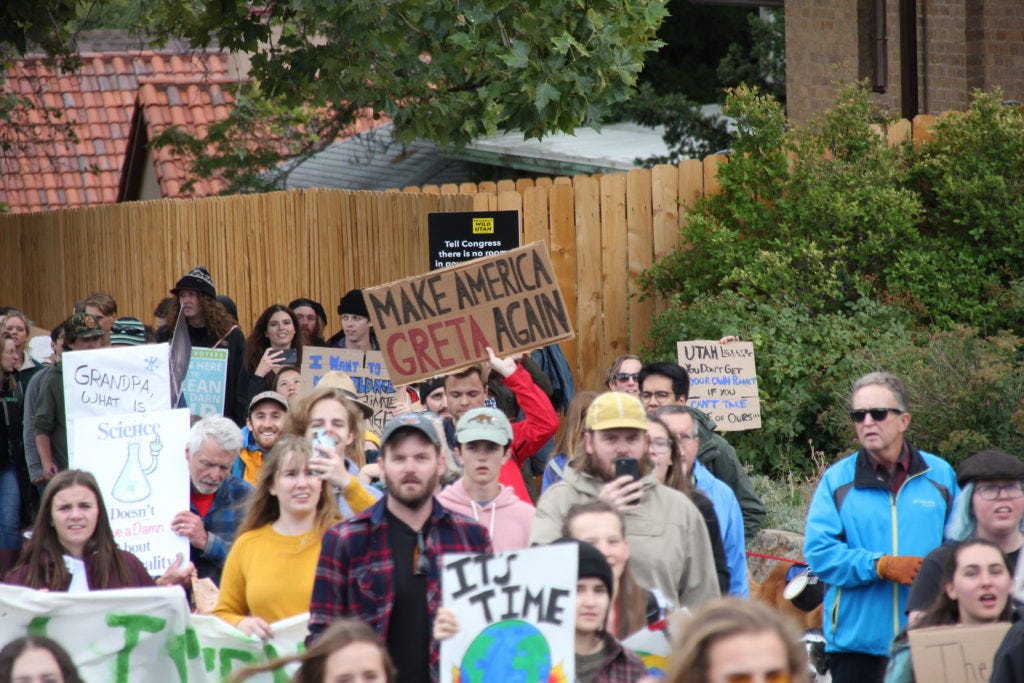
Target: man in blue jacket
873	517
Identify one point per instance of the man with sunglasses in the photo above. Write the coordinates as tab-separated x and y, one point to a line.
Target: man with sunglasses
874	515
382	566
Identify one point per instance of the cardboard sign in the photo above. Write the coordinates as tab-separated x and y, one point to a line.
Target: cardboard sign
955	654
139	462
460	236
516	612
723	382
144	635
444	321
368	373
206	381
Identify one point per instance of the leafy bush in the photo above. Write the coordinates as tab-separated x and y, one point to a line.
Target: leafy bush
837	254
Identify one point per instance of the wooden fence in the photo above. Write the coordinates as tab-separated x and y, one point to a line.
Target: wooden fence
603	231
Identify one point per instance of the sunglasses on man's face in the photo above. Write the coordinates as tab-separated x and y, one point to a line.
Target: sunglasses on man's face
877	414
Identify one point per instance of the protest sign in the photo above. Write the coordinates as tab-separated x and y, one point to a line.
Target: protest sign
128	455
459	236
955	654
127	379
143	635
443	321
653	648
516	612
723	382
205	382
368	372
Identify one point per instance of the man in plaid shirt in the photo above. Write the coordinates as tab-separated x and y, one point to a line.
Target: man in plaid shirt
382	566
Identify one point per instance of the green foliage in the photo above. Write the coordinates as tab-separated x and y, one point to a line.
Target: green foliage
966	391
762	63
445	72
837	254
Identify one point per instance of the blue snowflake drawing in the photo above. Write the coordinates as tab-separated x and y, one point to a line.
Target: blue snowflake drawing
151	363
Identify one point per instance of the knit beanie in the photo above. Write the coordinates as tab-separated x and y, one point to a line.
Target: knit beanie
315	305
198	279
353	304
592	564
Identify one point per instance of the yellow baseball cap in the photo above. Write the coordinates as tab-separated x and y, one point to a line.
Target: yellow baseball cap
616	410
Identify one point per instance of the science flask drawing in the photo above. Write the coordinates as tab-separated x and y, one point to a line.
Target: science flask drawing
132	483
512	651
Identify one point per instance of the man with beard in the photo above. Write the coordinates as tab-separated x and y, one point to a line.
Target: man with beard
217	498
312	320
267	412
383	565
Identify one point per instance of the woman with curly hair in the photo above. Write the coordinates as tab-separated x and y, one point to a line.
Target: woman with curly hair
289	512
275	331
210	326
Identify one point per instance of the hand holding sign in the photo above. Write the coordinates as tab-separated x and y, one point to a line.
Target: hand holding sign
503	366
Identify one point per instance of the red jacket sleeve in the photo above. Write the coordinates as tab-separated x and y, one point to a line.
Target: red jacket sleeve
540	422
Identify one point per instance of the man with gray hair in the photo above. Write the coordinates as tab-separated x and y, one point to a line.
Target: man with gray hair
217	496
873	517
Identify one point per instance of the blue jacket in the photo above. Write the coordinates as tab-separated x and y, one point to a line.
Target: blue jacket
853	520
221	522
730	521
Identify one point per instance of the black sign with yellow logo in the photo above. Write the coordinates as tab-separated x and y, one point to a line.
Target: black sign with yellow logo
457	237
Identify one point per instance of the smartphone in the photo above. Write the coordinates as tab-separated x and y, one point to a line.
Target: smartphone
628	466
322	438
288	356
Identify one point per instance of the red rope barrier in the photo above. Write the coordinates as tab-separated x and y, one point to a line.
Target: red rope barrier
773	557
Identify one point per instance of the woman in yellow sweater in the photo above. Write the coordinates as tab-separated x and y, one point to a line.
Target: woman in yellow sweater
279	537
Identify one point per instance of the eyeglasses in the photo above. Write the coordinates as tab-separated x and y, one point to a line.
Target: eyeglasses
776	676
661	445
420	561
661	396
877	414
992	491
687	438
627	376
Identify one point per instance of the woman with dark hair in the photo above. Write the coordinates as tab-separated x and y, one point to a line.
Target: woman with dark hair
670	470
976	590
729	639
347	651
36	658
289	512
13	471
265	348
72	546
604	527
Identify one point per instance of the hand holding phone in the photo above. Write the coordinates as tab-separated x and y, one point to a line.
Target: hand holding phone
627	466
287	357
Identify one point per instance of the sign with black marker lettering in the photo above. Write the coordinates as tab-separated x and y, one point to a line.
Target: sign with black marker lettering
516	612
459	236
955	654
723	382
368	373
443	321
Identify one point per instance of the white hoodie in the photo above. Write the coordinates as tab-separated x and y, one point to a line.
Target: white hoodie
506	518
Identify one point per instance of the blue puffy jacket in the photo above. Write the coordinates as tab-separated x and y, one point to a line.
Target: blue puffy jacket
853	520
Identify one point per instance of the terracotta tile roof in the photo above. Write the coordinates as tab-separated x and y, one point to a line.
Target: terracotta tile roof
48	171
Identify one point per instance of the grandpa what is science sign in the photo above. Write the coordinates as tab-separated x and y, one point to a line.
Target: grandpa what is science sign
517	615
723	382
138	460
443	321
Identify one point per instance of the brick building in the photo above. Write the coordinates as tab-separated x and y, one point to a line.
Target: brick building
955	47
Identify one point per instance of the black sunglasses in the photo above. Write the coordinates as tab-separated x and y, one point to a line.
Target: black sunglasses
877	414
626	376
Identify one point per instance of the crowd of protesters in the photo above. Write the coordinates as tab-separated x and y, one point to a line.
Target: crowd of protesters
296	506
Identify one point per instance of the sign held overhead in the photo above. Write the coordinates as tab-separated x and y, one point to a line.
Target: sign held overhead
443	321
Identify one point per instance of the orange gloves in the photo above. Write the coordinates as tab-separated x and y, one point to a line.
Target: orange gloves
899	568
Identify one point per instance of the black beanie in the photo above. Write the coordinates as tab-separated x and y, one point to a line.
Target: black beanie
315	305
197	279
353	304
592	564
